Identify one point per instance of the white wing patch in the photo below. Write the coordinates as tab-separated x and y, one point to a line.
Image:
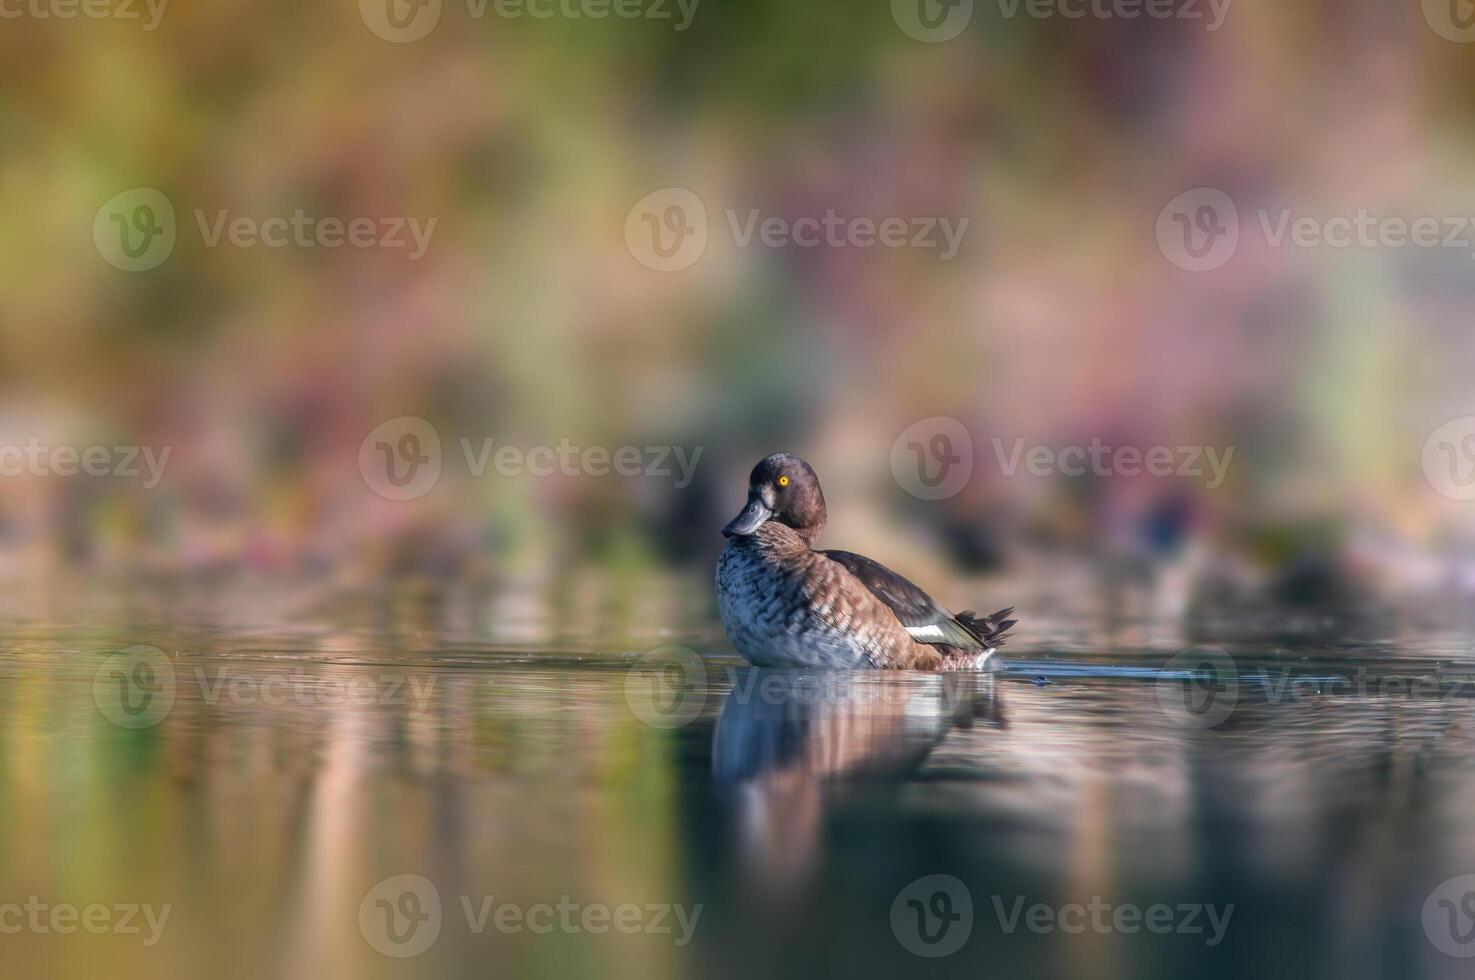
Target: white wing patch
929	632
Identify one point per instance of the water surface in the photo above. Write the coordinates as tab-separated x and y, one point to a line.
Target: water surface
264	770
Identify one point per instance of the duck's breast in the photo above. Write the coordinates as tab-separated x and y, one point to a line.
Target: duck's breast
792	611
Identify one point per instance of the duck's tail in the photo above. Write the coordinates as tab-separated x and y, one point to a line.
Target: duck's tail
992	630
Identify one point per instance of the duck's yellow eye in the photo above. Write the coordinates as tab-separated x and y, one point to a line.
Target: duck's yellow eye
783	481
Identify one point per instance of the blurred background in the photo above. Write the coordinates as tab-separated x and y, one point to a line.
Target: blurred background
525	146
433	340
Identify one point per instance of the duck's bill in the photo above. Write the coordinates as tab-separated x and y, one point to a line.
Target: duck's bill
750	520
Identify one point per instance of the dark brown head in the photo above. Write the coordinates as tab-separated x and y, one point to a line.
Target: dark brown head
782	488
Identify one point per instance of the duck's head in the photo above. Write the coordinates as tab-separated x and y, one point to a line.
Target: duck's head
782	488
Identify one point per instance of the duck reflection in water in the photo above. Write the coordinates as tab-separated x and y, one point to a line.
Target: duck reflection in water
790	743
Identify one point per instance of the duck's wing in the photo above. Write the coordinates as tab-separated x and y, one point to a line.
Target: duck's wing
923	616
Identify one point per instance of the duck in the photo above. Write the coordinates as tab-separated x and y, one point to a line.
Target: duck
785	604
